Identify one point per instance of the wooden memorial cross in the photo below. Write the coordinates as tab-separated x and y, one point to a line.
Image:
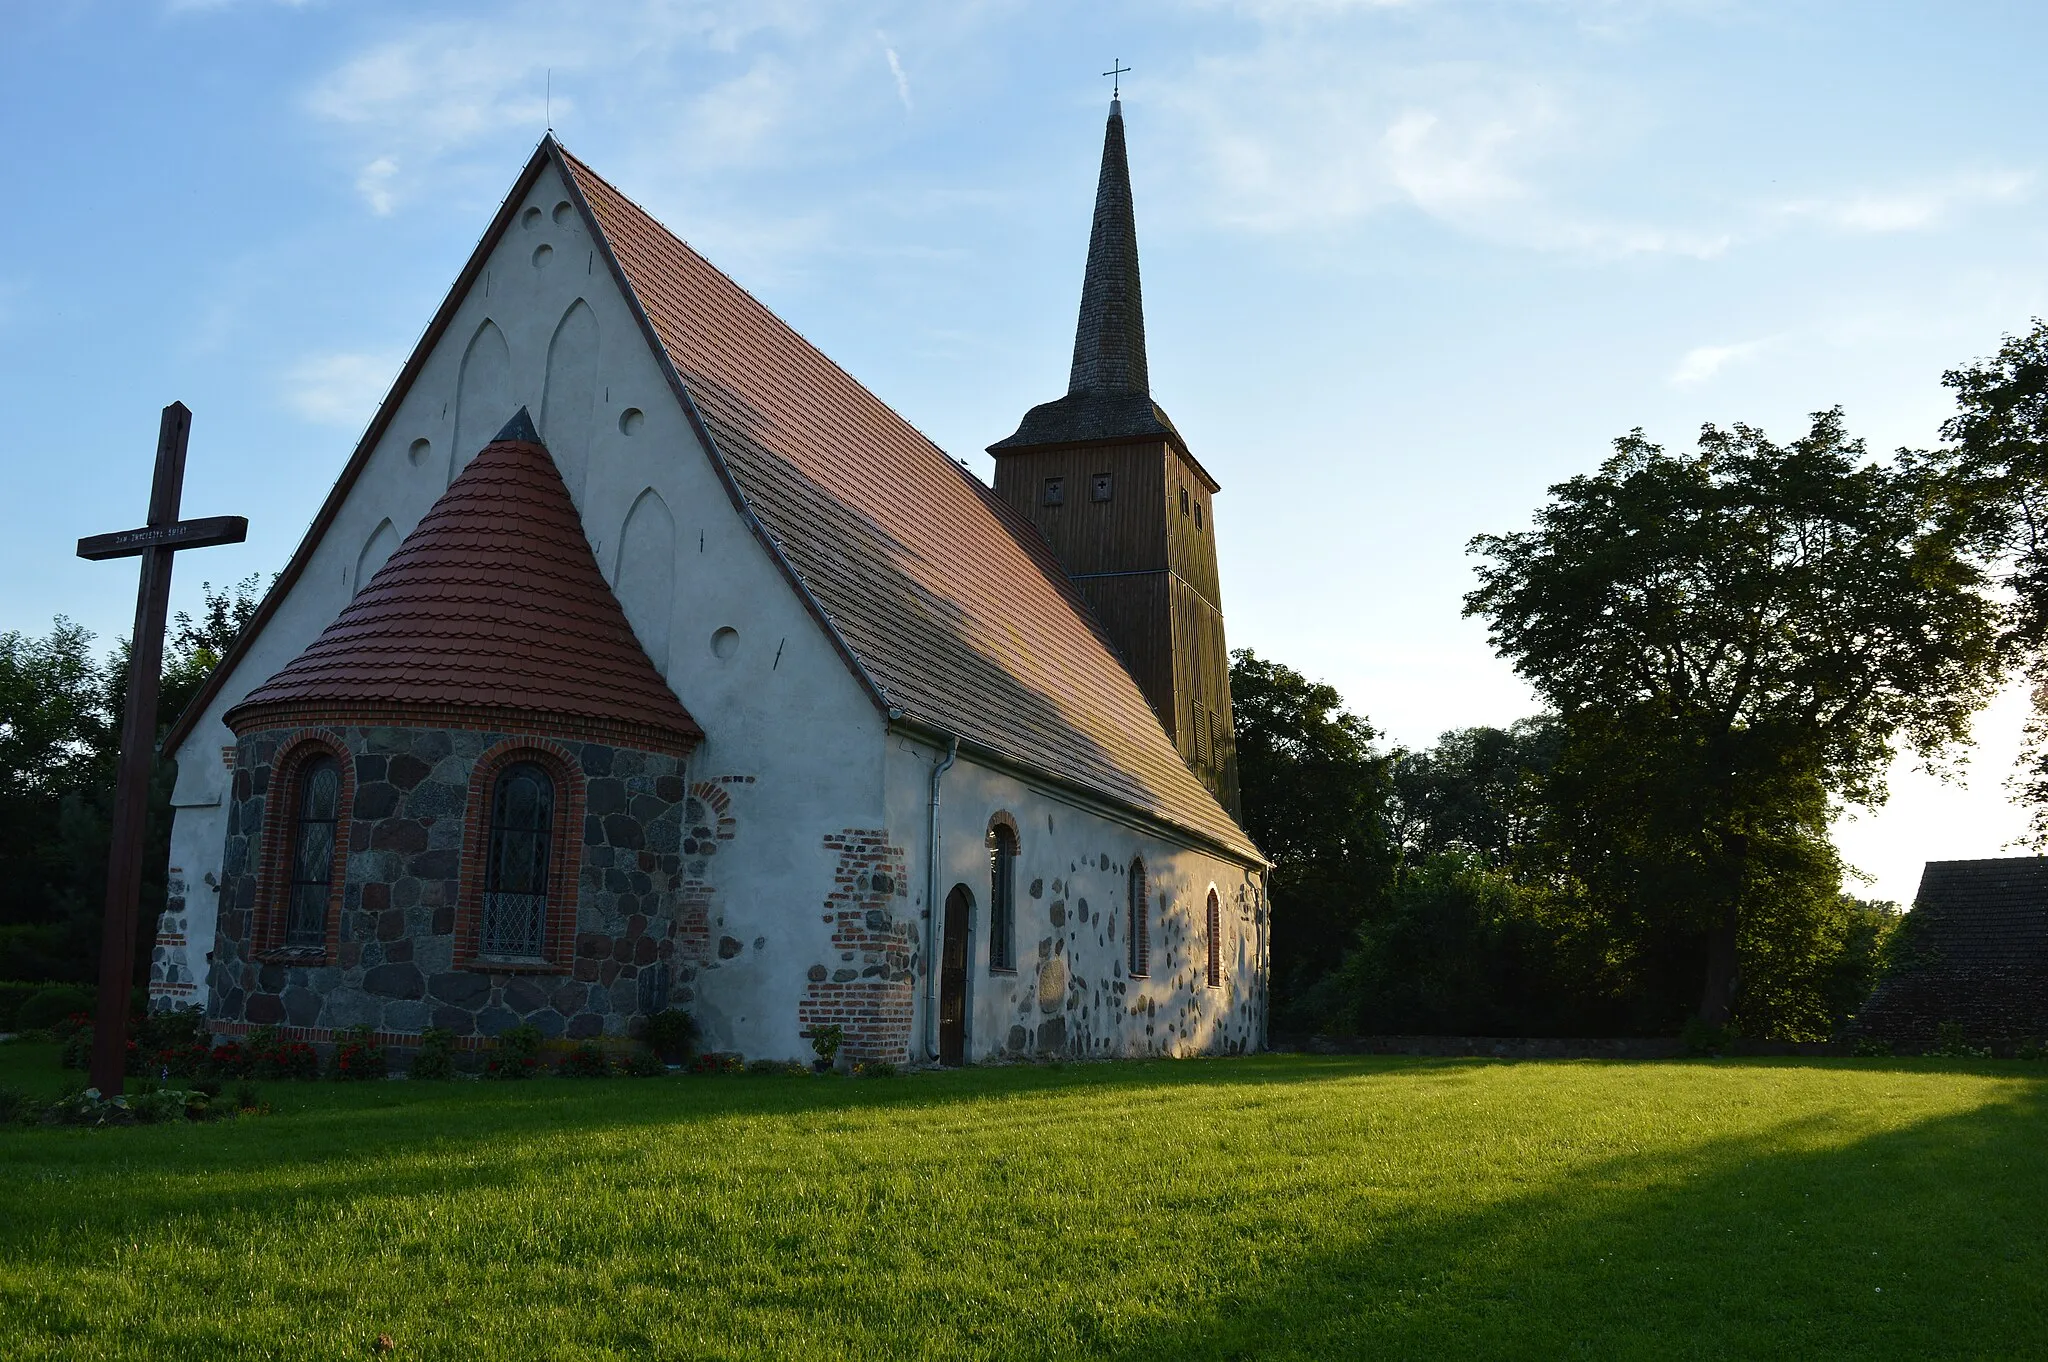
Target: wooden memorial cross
154	543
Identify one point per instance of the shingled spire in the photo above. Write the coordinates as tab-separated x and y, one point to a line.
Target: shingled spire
1109	393
1109	342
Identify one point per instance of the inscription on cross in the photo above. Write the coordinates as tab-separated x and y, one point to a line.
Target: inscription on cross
155	543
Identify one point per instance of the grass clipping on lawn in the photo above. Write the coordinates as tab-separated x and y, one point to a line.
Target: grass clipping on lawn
1276	1207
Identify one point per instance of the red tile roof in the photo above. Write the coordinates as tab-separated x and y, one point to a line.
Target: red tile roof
493	603
952	606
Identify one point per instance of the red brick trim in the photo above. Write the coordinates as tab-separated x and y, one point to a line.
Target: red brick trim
526	723
273	884
720	804
327	1035
565	857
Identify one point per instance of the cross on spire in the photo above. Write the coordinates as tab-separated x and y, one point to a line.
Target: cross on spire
1116	73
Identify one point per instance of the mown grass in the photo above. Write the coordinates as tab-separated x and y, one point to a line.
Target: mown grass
1274	1207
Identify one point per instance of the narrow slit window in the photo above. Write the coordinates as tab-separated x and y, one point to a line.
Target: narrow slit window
515	907
1214	927
1002	898
1198	515
315	817
1183	501
1139	942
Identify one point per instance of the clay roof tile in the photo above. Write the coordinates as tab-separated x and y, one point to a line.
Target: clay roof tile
494	601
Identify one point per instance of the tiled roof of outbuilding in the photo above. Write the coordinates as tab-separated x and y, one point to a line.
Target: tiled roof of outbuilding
952	605
1989	912
494	602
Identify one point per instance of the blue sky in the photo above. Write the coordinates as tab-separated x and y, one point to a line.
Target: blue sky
1406	264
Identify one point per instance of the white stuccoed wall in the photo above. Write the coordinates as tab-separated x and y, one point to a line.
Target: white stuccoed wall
791	737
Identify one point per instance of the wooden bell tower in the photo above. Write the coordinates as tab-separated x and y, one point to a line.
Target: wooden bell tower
1111	485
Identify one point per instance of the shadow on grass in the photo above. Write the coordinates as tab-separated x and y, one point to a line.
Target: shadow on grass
1920	1242
1792	1240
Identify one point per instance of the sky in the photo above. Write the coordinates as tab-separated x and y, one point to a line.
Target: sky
1407	263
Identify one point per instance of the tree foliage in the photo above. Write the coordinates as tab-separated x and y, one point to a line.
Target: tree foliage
60	716
1997	464
1315	799
1732	639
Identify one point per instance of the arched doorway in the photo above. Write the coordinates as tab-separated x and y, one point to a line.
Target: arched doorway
953	978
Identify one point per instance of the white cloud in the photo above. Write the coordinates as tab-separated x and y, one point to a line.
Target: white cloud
340	388
902	81
1703	362
1911	209
1295	138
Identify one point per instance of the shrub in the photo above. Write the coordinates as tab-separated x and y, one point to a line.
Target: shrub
517	1053
229	1059
874	1068
645	1064
51	1004
2031	1049
1870	1047
435	1061
775	1068
1950	1043
17	1107
825	1040
247	1098
717	1062
672	1034
358	1055
271	1057
587	1060
13	994
169	1104
1704	1038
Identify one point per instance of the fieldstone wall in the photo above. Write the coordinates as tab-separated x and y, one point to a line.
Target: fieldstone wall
1073	995
395	965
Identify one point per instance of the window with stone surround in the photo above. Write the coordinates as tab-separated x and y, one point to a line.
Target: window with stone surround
1214	926
1002	897
522	853
515	908
316	814
304	851
1138	943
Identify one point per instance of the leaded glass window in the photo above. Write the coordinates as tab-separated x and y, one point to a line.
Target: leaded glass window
315	813
515	906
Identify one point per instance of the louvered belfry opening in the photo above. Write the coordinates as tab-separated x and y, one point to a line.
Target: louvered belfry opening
1141	546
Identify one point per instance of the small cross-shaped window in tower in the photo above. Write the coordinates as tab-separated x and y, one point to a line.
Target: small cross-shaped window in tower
1055	491
1099	487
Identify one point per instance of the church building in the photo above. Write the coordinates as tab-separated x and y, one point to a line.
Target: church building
641	658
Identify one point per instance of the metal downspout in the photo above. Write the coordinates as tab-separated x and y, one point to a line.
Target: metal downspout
934	924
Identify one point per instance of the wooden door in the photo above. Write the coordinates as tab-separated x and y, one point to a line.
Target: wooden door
953	979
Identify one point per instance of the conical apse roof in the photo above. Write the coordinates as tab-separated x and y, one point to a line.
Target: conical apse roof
493	609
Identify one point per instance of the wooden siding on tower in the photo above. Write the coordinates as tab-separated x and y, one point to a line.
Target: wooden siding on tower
1123	534
1191	551
1135	610
1203	727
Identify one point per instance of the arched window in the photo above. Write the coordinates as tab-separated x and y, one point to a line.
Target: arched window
316	811
1215	928
1002	897
1139	944
515	907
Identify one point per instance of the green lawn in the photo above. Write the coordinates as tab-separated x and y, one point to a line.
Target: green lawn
1274	1207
